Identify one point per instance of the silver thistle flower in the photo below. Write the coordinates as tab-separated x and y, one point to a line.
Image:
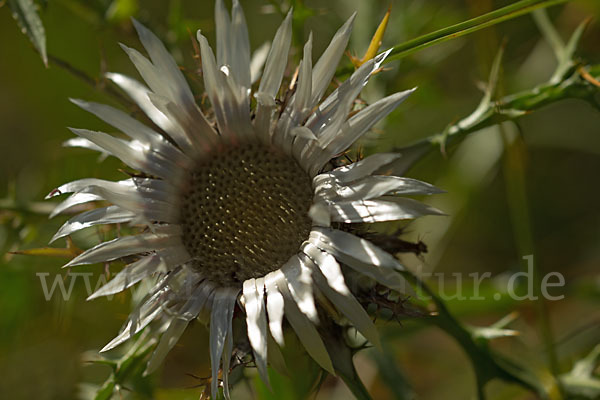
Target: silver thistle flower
239	210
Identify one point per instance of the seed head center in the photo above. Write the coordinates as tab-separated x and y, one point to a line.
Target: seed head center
245	213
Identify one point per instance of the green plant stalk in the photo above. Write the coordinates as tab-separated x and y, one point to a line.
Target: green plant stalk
98	84
515	166
392	375
37	207
461	29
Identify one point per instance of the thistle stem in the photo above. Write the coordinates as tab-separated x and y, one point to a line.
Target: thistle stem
574	85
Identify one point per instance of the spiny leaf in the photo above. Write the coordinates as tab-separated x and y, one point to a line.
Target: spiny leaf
492	333
576	37
505	321
564	52
24	11
580	381
549	32
582	83
485	105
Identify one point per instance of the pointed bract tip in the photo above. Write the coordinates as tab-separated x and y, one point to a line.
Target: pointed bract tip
113	76
138	25
141	29
92	296
55	192
199	36
384	54
106	348
76	131
77	102
350	21
55	238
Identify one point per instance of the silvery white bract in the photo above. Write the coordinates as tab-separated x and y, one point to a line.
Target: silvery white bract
238	204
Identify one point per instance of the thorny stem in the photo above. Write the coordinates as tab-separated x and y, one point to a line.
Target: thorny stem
487	366
578	83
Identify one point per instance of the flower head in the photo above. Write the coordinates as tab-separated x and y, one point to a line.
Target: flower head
243	209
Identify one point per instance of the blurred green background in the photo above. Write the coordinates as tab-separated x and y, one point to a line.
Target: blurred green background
44	345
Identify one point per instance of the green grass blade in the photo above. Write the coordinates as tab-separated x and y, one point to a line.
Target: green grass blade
472	25
463	28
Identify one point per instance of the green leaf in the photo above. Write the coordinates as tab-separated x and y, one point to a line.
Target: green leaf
24	11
